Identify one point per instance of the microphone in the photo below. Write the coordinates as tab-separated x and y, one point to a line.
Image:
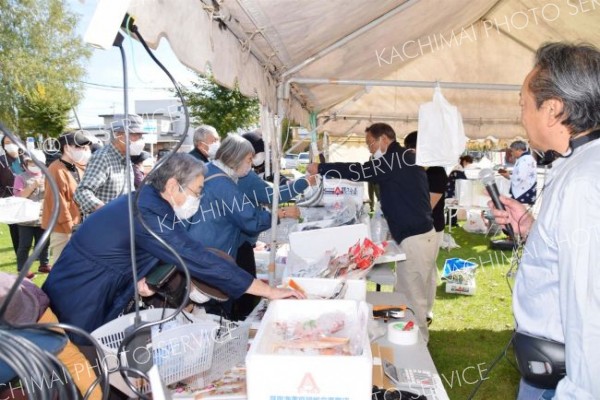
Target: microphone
487	178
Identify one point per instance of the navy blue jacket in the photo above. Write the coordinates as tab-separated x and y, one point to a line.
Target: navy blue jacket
260	192
225	212
403	189
92	281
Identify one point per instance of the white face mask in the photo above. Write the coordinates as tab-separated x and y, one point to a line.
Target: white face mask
258	159
378	153
35	170
136	148
188	208
12	149
80	155
198	297
212	150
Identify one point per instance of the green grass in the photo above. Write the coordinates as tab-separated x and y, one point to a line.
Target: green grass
8	260
468	331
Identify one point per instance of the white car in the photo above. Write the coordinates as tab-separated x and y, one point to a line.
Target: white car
303	158
289	161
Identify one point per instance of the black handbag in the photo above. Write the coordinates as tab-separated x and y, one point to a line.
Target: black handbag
540	361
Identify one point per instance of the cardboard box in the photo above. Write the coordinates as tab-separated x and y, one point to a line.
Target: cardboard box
468	288
275	376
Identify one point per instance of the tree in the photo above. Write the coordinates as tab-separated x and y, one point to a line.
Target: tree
225	109
41	68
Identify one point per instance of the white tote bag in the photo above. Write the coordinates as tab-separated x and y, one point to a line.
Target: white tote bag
441	133
16	210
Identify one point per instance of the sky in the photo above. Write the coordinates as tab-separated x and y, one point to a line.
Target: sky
104	78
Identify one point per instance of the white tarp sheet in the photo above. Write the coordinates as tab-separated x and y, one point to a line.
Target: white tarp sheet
485	41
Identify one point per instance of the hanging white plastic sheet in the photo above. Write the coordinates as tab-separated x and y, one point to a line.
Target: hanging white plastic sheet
441	133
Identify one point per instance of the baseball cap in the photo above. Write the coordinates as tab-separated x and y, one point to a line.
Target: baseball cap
257	142
75	138
119	126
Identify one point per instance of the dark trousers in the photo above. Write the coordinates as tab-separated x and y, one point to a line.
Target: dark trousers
14	236
27	234
245	304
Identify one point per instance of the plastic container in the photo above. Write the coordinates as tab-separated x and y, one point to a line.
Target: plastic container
180	350
287	376
402	334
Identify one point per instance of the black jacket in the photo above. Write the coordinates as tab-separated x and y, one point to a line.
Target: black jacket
404	191
199	156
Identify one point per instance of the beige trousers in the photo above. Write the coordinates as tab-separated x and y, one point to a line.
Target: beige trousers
58	241
416	278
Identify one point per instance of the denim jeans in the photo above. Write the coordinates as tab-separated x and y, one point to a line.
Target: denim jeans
27	234
529	392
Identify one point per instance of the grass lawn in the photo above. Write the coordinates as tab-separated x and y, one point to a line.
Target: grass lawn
468	331
8	260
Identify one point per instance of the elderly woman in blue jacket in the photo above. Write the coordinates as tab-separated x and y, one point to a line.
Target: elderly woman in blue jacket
225	210
91	283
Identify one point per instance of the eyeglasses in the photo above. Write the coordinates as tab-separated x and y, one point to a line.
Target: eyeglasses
195	194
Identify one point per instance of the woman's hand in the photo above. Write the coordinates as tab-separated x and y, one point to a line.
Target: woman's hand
143	288
277	293
259	288
289	212
515	214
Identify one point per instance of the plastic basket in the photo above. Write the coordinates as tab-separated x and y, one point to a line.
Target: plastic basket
230	350
179	348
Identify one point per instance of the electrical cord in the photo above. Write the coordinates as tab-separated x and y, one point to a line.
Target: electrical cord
515	261
492	365
22	355
137	329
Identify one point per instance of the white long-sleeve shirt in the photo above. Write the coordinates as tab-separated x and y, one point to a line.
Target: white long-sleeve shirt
557	289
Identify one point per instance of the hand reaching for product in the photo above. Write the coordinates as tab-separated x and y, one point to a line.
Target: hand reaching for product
289	212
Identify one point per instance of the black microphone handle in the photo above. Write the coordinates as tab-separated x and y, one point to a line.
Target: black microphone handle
492	190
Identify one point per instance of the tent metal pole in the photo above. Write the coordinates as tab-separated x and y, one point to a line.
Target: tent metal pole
348	38
360	117
395	83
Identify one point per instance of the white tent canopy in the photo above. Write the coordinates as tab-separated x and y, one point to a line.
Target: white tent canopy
261	43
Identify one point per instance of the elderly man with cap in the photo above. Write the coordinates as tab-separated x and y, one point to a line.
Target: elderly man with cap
66	172
206	143
105	175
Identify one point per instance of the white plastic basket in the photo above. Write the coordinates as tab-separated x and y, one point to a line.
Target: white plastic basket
179	348
229	350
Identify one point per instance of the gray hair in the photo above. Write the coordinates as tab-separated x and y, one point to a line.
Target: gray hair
518	145
234	150
181	166
202	131
570	73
